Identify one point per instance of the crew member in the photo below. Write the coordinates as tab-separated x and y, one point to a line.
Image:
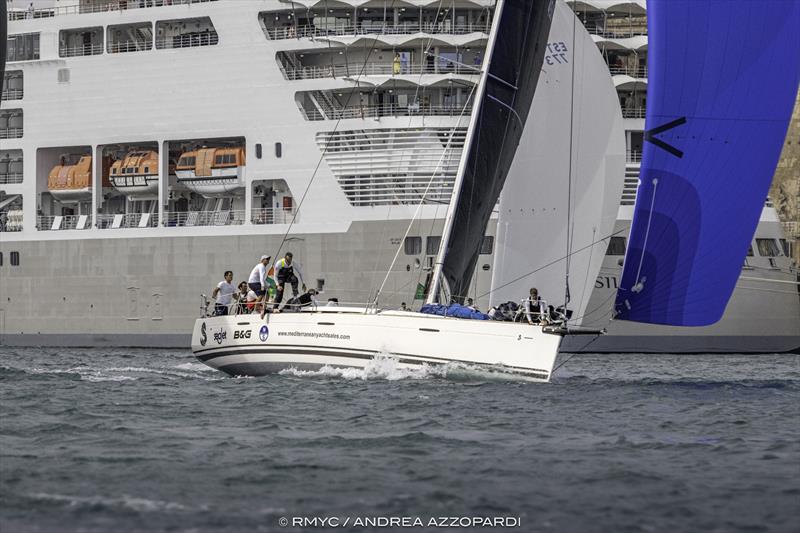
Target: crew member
534	308
258	280
241	308
286	271
304	300
224	293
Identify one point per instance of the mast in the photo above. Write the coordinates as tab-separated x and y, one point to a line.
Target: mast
433	292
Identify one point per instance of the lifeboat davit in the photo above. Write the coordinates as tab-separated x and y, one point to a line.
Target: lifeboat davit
213	172
136	175
71	183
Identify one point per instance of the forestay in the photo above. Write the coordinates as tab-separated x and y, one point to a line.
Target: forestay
723	80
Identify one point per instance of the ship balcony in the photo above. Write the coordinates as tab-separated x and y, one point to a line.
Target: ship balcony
311	31
130	37
80	42
409	101
12	85
387	110
11	166
353	71
185	33
93	6
11	124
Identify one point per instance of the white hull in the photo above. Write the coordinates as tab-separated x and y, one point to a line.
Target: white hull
351	337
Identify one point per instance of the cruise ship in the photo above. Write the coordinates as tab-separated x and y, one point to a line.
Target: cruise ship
147	146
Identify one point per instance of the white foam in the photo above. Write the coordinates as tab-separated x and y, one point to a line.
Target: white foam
130	502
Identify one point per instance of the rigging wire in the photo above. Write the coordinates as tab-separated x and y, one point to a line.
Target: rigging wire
570	222
551	263
328	142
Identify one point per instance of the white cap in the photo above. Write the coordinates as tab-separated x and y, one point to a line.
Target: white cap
265	257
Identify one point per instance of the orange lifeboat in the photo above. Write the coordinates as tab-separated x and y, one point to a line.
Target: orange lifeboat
213	172
136	175
72	183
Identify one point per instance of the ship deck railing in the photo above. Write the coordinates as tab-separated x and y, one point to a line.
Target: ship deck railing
272	215
86	7
640	72
388	110
130	46
63	222
10	133
80	50
12	94
633	112
130	220
633	156
10	178
233	217
296	32
188	41
619	33
375	69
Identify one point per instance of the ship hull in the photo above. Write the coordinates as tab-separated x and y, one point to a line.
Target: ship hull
145	292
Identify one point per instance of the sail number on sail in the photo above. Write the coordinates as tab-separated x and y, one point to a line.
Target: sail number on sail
556	53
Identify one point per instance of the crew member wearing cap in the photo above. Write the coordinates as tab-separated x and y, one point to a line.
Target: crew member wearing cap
258	281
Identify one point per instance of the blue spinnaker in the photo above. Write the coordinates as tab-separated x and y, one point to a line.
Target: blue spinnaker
723	78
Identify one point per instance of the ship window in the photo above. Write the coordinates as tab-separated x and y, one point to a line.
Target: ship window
432	245
785	246
278	150
63	75
767	247
616	246
487	244
413	245
14	258
22	47
750	251
146	170
258	150
1	259
320	285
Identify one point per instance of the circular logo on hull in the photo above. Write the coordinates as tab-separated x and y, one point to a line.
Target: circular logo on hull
263	333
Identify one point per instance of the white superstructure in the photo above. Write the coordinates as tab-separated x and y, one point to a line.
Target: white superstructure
346	112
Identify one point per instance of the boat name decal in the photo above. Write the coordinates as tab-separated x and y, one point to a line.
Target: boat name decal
220	335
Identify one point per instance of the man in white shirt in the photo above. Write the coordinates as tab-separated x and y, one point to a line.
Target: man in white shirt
224	293
258	280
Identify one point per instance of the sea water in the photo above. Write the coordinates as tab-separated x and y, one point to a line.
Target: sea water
106	440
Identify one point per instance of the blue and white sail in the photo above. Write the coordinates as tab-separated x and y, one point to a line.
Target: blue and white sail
723	80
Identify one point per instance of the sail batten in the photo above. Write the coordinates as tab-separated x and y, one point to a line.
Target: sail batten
723	82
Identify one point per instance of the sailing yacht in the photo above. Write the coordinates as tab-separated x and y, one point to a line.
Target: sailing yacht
352	337
240	109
